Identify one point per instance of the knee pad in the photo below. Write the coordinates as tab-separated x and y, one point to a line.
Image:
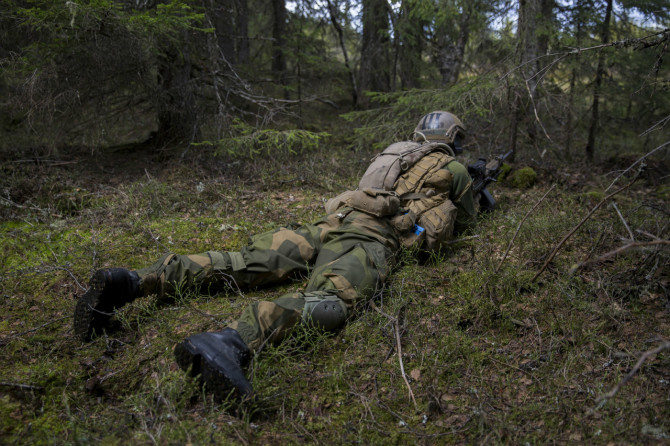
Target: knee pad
324	310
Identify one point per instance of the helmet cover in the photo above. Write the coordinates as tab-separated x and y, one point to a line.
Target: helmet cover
439	126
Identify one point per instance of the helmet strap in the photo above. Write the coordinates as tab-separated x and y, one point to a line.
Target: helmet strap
458	148
411	137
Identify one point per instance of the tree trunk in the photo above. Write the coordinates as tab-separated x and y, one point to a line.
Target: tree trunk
178	119
222	18
375	69
340	34
535	17
600	71
451	52
278	35
571	93
409	36
242	26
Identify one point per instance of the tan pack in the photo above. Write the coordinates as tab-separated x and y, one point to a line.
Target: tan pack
424	193
396	159
408	183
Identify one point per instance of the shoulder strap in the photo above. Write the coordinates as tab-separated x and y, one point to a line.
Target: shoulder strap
396	159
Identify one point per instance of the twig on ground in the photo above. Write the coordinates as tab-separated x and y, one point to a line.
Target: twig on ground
648	234
396	329
71	275
464	239
602	399
4	341
620	250
623	220
509	246
579	225
21	386
402	367
388	409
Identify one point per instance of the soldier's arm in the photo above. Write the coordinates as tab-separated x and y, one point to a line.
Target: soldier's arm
461	196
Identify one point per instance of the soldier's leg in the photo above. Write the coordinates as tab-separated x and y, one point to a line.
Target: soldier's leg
348	267
220	358
271	257
346	271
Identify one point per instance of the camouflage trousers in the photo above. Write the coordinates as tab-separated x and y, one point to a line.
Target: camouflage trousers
347	256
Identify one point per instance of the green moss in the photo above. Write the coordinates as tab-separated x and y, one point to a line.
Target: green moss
11	419
591	197
504	171
490	356
663	192
522	178
28	245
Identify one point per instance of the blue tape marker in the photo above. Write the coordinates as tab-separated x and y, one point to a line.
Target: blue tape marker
417	230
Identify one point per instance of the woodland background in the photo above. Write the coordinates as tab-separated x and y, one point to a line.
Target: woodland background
132	128
571	79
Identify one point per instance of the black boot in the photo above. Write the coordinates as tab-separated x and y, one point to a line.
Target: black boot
220	358
110	289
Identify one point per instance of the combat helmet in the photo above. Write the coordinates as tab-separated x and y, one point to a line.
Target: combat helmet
440	126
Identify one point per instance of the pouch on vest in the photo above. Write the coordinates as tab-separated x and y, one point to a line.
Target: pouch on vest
338	202
404	222
376	202
439	224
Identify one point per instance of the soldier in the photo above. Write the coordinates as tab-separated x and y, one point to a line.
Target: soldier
413	193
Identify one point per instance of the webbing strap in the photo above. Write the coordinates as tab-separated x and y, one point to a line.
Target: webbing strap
237	261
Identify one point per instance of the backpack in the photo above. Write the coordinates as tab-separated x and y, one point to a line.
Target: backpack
408	184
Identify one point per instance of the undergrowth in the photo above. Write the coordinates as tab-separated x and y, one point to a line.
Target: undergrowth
491	356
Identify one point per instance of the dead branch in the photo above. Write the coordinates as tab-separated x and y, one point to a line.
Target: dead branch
619	250
18	335
21	386
640	43
639	160
602	399
509	246
396	329
579	225
623	220
657	125
537	117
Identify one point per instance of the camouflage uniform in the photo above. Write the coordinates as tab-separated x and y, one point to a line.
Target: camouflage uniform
347	254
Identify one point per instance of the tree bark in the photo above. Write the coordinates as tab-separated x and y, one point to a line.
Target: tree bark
375	68
242	27
568	128
535	17
222	17
600	72
278	35
451	52
340	34
409	47
177	112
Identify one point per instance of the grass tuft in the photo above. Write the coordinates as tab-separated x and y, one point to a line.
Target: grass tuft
491	356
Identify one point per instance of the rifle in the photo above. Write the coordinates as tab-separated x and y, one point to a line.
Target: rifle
483	173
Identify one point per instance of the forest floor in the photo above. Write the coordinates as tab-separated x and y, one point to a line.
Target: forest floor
491	354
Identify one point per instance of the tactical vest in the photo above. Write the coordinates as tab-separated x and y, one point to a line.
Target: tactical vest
407	183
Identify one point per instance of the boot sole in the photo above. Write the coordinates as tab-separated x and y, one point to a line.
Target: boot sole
87	315
191	361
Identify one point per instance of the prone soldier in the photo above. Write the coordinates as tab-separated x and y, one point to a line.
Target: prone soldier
414	194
